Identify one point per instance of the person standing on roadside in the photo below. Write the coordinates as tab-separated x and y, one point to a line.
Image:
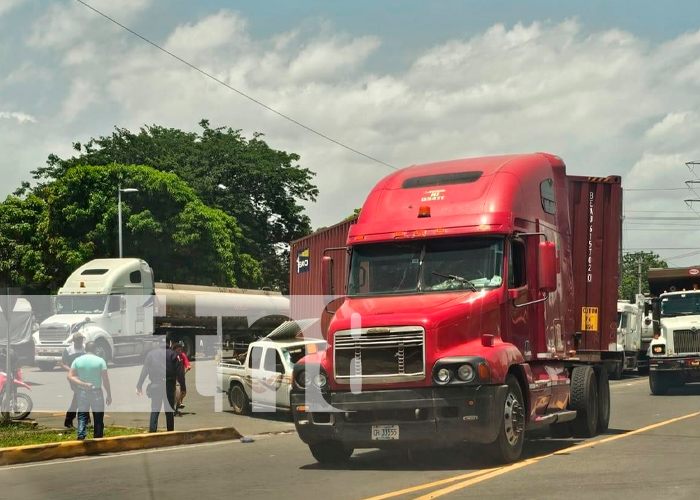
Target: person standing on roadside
164	370
70	354
185	362
89	374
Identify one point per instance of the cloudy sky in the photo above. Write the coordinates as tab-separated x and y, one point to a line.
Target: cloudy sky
613	89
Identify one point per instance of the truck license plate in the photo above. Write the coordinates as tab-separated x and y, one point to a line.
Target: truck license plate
385	432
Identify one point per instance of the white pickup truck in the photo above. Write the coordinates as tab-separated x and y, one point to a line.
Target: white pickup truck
263	380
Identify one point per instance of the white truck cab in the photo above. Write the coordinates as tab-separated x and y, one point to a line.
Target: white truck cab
675	354
111	302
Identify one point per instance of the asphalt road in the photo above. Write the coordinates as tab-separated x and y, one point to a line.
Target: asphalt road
651	451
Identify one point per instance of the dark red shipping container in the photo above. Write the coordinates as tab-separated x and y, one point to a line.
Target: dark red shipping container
305	271
595	205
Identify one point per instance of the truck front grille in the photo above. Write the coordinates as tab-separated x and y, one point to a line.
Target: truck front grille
53	334
379	355
686	341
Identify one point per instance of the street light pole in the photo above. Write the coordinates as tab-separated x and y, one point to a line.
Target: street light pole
119	212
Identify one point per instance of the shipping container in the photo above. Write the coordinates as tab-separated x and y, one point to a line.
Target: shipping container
306	255
595	205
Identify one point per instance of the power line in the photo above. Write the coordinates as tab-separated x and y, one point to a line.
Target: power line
645	189
635	217
221	82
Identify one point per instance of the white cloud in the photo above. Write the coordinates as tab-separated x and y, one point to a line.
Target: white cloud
608	102
17	115
7	5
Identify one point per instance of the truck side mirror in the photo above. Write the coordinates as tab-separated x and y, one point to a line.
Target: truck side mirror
547	272
327	279
54	304
122	304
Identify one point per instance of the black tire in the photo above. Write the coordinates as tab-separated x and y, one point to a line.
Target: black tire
103	350
658	383
509	444
603	401
584	399
619	368
187	346
238	400
23	407
46	366
330	452
643	370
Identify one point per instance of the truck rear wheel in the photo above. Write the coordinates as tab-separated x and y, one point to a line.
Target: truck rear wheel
603	401
584	399
330	452
187	346
658	383
509	443
239	400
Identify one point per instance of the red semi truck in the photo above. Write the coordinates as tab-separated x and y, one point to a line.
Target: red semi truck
480	302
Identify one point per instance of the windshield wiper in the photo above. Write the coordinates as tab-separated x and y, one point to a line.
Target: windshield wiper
458	278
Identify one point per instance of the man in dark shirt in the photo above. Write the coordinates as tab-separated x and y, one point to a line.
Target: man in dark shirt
163	368
70	354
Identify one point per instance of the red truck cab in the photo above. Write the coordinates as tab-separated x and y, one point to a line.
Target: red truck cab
480	301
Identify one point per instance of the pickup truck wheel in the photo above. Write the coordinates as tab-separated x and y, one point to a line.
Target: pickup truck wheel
330	452
45	366
509	443
658	383
603	401
584	399
187	346
239	400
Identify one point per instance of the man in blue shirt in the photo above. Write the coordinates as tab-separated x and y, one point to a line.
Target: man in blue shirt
70	354
89	374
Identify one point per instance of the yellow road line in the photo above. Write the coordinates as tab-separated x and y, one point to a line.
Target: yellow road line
484	475
432	485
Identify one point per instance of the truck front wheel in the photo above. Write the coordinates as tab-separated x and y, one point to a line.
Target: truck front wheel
658	383
509	444
584	399
103	350
330	452
239	400
45	366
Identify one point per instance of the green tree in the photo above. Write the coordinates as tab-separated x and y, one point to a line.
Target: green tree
629	286
165	223
259	186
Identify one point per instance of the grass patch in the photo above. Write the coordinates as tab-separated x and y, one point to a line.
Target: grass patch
17	434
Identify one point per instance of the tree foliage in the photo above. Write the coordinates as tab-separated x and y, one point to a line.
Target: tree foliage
245	178
629	286
165	223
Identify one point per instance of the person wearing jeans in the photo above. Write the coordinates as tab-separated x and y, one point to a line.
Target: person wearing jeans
89	374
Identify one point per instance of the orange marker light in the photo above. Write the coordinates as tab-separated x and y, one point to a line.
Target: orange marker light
423	211
440	230
399	234
360	237
484	372
311	349
419	232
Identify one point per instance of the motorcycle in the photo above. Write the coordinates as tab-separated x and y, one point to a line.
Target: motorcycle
17	405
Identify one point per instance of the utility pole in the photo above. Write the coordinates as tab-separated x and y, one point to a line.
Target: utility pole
639	275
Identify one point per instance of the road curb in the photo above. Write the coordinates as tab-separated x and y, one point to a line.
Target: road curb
70	449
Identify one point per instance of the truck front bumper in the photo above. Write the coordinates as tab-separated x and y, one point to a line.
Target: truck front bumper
686	366
436	416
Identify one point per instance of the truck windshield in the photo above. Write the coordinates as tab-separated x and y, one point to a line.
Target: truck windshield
680	305
426	266
83	304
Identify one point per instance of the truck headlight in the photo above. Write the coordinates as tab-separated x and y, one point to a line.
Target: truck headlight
303	379
659	349
466	373
320	380
443	376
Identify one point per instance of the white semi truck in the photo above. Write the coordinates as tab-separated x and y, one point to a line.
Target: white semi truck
634	333
117	304
674	353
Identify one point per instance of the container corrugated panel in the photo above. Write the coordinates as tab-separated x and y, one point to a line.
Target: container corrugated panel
595	208
305	271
